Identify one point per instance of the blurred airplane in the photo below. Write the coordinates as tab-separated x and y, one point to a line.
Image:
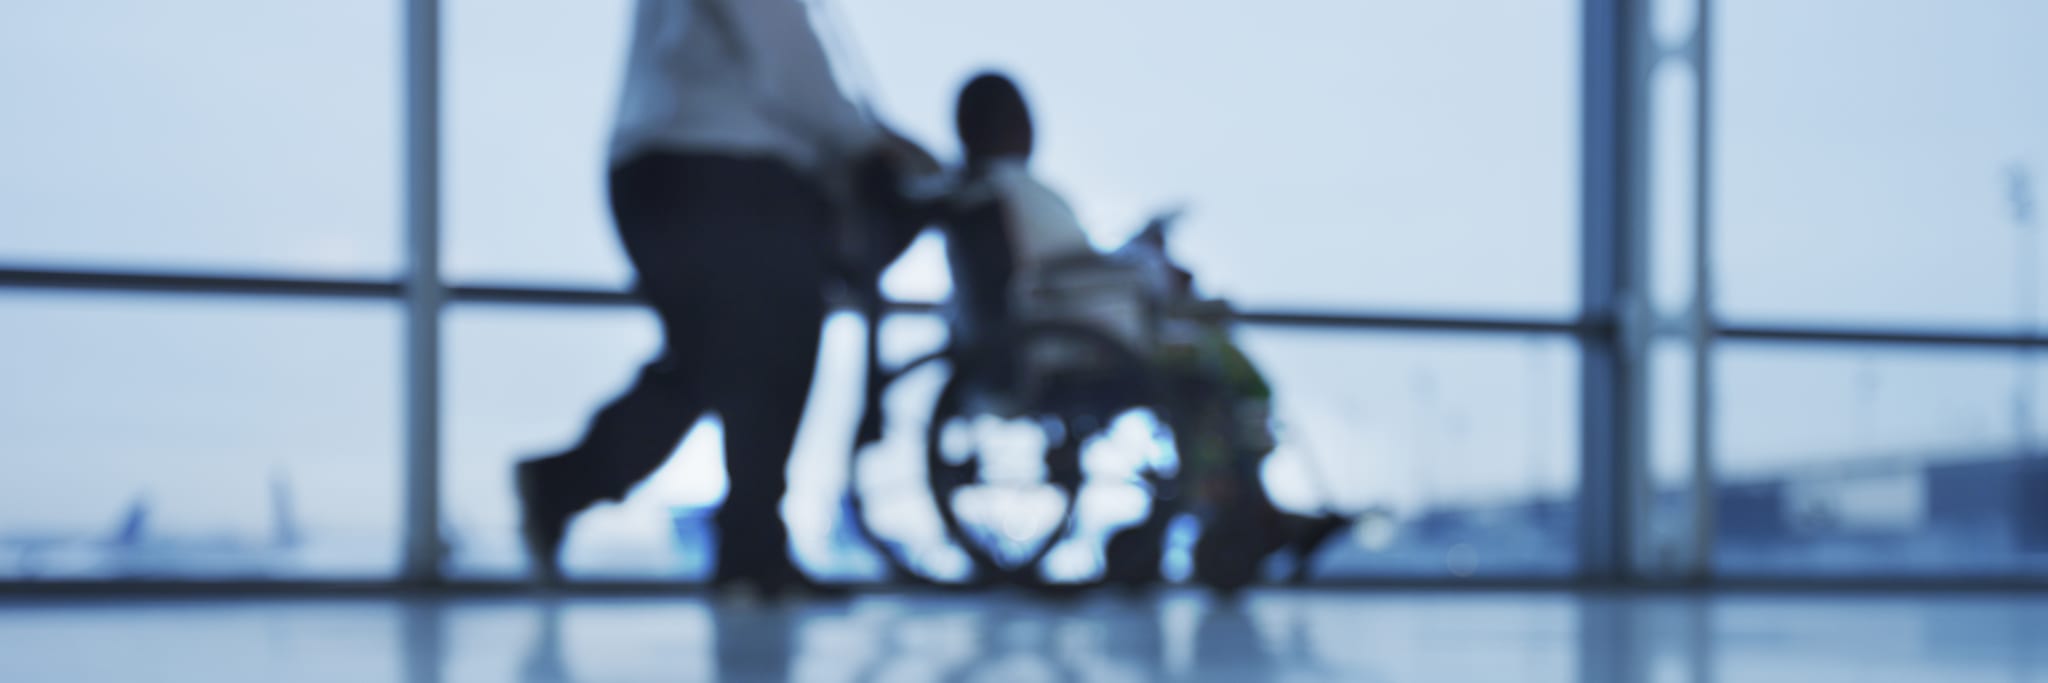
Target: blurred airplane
134	548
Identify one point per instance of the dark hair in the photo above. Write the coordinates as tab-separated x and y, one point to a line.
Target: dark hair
992	118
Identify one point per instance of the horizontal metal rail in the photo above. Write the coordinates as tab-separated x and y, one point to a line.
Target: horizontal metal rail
257	285
1880	335
24	278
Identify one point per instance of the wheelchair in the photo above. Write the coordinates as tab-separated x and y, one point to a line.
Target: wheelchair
1004	449
1016	433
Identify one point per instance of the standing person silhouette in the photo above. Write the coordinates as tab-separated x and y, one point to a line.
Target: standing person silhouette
730	128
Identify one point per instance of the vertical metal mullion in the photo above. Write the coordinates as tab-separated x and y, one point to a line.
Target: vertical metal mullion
1615	257
1704	319
1635	331
424	293
1607	194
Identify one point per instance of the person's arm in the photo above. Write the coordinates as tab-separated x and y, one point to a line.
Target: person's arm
794	76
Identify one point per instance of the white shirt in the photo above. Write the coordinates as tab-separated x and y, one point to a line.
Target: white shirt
741	77
1042	227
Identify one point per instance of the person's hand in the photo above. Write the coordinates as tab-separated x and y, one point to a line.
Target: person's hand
907	158
890	166
887	217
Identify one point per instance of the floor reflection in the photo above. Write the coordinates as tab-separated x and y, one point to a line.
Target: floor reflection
1175	636
1353	637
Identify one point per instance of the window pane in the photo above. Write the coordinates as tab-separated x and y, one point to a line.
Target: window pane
1337	154
1667	538
525	381
529	92
218	134
154	436
1469	444
1463	448
522	382
1673	199
1879	175
1466	444
1874	461
1330	158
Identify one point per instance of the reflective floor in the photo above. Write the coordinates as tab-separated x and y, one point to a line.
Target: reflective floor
1177	636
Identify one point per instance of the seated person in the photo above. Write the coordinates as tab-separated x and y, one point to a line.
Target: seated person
1003	227
1006	232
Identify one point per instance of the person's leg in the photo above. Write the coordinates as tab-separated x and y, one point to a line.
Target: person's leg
761	414
761	352
627	440
634	434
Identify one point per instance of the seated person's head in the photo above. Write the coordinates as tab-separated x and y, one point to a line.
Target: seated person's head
993	120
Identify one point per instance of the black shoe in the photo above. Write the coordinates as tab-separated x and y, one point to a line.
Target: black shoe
1310	534
1132	556
544	521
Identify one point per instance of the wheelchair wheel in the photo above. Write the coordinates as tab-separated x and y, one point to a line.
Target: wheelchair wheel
1006	476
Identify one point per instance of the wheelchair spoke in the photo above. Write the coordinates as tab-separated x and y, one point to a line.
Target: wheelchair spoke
951	476
1012	524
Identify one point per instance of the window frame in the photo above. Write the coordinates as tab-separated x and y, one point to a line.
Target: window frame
1613	329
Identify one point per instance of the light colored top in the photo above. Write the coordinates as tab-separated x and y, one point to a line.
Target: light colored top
740	77
1042	228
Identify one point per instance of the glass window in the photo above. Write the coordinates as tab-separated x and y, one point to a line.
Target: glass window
1329	155
1667	533
529	91
524	381
219	134
1461	450
1877	460
157	436
1673	175
1354	187
1880	175
1465	447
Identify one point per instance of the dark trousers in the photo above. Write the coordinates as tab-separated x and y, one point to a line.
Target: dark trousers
731	253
